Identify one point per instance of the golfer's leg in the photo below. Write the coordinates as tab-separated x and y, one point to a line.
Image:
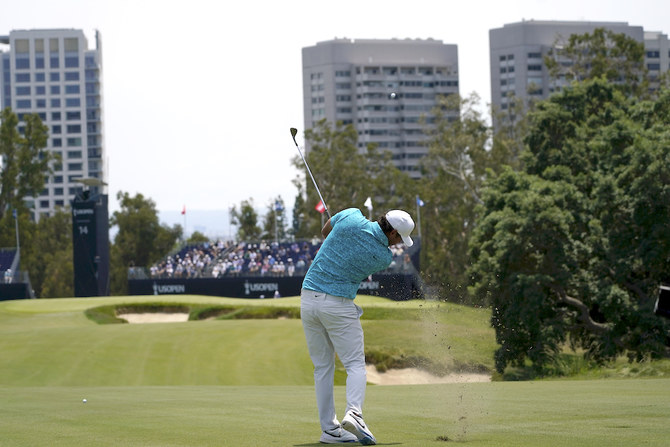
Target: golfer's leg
346	334
323	357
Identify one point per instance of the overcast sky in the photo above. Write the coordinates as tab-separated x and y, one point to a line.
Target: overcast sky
199	95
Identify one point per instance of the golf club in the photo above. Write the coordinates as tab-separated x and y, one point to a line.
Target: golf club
294	132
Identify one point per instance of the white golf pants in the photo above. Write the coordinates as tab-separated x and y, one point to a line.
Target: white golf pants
332	325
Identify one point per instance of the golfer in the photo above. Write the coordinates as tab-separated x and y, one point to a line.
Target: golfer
353	249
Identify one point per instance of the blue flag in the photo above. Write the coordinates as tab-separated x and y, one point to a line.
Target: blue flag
419	201
278	206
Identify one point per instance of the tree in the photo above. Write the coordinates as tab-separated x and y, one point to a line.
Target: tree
338	168
453	172
197	238
49	256
140	241
25	162
298	223
246	220
346	177
274	222
615	57
573	248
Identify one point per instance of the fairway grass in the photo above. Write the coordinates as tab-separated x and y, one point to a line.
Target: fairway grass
249	383
609	413
50	342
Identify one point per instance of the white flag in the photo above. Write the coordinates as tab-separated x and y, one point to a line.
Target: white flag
368	203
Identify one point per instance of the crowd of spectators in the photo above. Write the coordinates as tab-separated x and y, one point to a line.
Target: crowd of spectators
231	259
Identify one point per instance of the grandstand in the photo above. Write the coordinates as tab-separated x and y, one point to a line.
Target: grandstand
15	284
262	269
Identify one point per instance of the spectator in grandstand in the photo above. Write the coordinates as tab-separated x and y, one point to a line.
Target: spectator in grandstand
353	249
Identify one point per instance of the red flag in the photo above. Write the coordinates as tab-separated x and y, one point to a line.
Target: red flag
183	211
320	207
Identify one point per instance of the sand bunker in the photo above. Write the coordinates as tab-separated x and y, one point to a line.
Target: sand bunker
414	376
152	317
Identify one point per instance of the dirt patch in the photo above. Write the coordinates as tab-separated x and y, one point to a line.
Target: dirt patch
415	376
154	317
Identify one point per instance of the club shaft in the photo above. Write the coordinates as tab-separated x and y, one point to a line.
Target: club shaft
314	181
293	133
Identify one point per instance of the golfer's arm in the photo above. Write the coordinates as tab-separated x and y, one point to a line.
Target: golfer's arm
327	228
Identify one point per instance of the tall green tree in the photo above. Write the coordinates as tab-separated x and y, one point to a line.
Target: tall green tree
453	172
339	170
573	248
346	177
25	163
274	221
603	53
50	258
298	221
246	219
141	239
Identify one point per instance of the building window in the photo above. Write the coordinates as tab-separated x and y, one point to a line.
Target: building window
72	102
73	128
54	76
653	54
54	62
40	90
71	61
73	154
44	204
22	63
57	142
23	104
74	166
55	116
71	75
653	66
23	91
73	142
54	89
40	103
71	89
503	57
22	77
39	77
534	55
58	179
56	129
534	67
72	116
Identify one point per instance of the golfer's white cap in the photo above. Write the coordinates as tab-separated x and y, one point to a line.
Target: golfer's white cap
401	221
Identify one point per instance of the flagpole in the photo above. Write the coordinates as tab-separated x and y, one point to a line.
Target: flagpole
418	215
183	211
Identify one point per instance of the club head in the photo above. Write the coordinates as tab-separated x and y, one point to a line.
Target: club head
294	132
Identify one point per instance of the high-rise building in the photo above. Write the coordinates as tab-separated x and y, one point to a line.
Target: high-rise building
382	87
657	55
517	52
53	73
